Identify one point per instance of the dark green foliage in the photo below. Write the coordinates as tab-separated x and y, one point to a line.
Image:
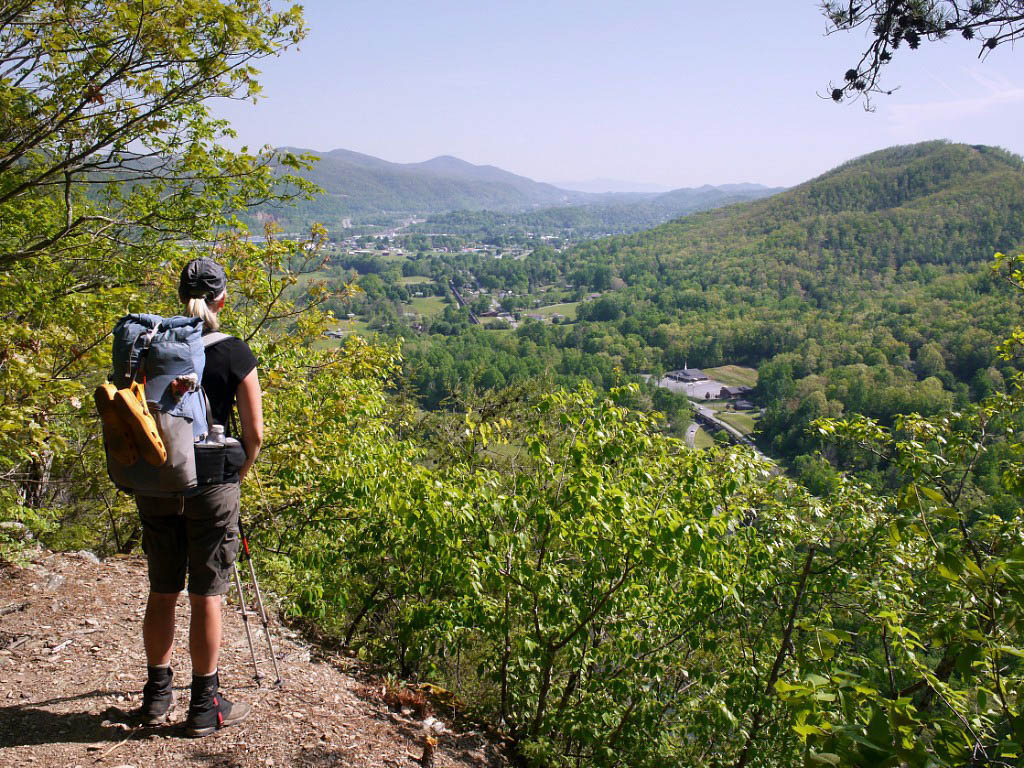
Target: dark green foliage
866	290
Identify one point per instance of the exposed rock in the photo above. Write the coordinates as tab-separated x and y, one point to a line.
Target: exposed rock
87	555
15	530
55	582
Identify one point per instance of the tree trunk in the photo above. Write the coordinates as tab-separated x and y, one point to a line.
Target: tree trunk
780	658
545	688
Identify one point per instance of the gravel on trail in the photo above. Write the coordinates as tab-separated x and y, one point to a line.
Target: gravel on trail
72	665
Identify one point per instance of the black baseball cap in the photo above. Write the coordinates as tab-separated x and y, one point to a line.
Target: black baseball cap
202	279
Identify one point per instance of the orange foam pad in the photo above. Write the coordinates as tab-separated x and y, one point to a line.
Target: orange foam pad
131	406
117	434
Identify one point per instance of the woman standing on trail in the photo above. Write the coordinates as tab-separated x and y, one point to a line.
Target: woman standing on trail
199	533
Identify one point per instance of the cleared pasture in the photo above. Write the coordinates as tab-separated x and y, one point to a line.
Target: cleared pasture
733	375
567	309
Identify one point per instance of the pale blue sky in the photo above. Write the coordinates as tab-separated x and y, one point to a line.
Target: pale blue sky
675	93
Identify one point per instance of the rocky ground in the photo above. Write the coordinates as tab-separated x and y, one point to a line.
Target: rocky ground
72	666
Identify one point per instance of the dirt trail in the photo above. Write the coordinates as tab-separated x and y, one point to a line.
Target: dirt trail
71	657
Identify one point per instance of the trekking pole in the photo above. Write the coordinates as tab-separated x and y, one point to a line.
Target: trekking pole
261	610
245	622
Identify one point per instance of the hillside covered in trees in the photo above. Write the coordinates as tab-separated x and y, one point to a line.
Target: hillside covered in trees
867	290
586	221
358	183
467	199
869	285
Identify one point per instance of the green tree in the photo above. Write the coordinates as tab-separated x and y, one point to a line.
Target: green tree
930	361
109	166
107	140
481	305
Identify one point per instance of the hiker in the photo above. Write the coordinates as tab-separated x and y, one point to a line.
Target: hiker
198	533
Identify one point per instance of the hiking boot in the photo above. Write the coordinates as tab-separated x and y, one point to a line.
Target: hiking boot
209	710
157	697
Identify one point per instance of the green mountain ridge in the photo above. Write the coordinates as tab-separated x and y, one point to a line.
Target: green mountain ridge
358	186
936	203
355	184
865	290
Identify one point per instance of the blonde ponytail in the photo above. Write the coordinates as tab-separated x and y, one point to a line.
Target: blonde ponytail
200	307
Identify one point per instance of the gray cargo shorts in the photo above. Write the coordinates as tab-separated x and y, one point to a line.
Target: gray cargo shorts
197	535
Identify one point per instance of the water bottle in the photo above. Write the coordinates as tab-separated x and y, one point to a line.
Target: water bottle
210	457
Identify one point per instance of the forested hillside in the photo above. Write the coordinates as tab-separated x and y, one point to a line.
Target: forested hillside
869	285
586	221
355	185
867	290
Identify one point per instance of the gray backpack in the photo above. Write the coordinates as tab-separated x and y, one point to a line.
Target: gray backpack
165	355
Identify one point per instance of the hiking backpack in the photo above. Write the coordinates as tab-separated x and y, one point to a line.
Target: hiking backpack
158	368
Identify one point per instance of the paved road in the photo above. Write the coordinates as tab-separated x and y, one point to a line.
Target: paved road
696	392
703	412
691	434
712	416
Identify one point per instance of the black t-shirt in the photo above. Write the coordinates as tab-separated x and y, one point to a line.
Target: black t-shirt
227	363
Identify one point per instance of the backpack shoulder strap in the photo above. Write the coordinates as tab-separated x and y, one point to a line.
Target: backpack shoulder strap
210	339
142	343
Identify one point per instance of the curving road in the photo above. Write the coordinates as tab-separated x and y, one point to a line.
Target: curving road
691	434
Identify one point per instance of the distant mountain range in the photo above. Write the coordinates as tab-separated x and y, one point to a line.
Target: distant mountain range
625	214
930	203
600	186
362	187
356	184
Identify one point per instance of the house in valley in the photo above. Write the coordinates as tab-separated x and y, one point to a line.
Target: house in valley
687	375
729	393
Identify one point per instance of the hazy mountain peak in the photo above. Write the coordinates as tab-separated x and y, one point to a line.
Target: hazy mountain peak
357	183
613	186
443	160
894	176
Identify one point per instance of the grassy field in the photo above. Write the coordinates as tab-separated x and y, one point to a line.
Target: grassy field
744	422
346	327
504	450
351	326
415	280
302	283
733	375
325	343
702	439
392	256
566	310
360	326
428	306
